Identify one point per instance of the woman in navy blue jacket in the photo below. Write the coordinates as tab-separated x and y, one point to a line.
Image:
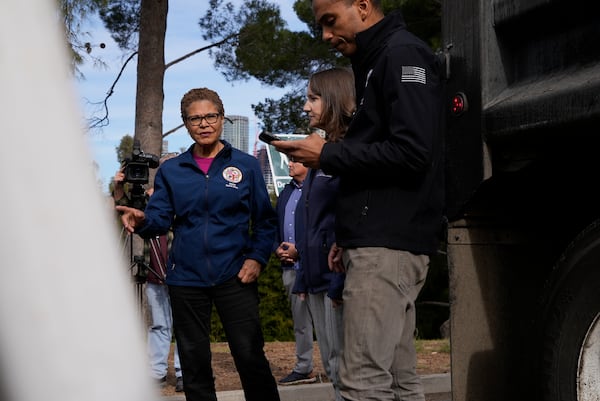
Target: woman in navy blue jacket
215	199
330	104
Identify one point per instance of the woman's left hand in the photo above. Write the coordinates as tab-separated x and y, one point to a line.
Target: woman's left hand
249	271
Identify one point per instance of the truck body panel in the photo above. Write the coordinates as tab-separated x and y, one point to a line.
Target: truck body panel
521	168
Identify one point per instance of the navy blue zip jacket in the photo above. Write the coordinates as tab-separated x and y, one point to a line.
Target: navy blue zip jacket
317	228
390	162
219	219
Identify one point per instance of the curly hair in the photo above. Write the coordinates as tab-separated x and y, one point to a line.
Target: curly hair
335	86
194	95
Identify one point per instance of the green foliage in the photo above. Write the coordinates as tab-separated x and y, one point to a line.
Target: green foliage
122	19
217	333
254	53
303	10
74	14
275	311
283	115
125	148
264	48
123	151
423	18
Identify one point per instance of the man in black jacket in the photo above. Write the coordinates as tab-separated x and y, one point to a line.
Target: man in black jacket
390	208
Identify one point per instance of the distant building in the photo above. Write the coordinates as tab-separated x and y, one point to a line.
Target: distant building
165	151
263	159
236	132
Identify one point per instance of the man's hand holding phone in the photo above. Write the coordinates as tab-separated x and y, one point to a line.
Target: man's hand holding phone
306	151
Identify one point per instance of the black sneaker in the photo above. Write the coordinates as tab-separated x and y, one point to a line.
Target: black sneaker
160	381
297	378
179	385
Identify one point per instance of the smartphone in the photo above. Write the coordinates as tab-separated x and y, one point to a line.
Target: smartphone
268	137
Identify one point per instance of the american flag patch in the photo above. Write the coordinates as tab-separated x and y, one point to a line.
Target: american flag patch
413	74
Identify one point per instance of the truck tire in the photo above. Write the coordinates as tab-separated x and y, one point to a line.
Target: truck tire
570	357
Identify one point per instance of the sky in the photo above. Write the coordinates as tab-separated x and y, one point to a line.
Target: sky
183	36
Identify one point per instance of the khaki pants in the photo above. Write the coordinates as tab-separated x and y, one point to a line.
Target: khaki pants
379	358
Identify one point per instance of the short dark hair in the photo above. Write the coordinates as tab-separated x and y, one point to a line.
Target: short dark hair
194	95
376	3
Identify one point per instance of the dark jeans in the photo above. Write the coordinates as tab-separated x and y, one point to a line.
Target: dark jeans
237	306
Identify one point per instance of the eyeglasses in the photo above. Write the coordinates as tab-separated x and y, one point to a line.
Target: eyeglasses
210	118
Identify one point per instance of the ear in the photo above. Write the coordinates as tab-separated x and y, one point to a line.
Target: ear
365	8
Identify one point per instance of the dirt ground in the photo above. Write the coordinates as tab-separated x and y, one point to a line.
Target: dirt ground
433	357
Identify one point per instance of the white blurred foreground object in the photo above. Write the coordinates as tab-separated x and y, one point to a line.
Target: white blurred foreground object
69	330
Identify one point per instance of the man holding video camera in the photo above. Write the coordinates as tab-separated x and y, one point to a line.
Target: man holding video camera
160	331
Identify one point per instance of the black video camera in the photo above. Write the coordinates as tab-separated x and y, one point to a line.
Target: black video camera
137	172
137	167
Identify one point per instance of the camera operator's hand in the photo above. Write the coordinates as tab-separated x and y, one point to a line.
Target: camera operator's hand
131	217
119	177
118	185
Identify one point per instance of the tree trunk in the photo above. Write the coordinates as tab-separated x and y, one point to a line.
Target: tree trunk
150	76
149	93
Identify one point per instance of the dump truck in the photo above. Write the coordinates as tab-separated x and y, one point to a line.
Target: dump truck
523	205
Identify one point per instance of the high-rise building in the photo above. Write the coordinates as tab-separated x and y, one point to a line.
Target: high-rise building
263	160
236	132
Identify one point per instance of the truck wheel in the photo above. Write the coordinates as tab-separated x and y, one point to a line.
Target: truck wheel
570	359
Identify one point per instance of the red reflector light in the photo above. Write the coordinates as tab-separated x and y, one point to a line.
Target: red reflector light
459	104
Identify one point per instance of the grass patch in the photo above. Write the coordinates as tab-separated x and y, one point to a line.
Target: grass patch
441	345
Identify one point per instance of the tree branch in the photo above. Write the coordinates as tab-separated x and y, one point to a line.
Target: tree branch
99	122
169	132
217	44
104	121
